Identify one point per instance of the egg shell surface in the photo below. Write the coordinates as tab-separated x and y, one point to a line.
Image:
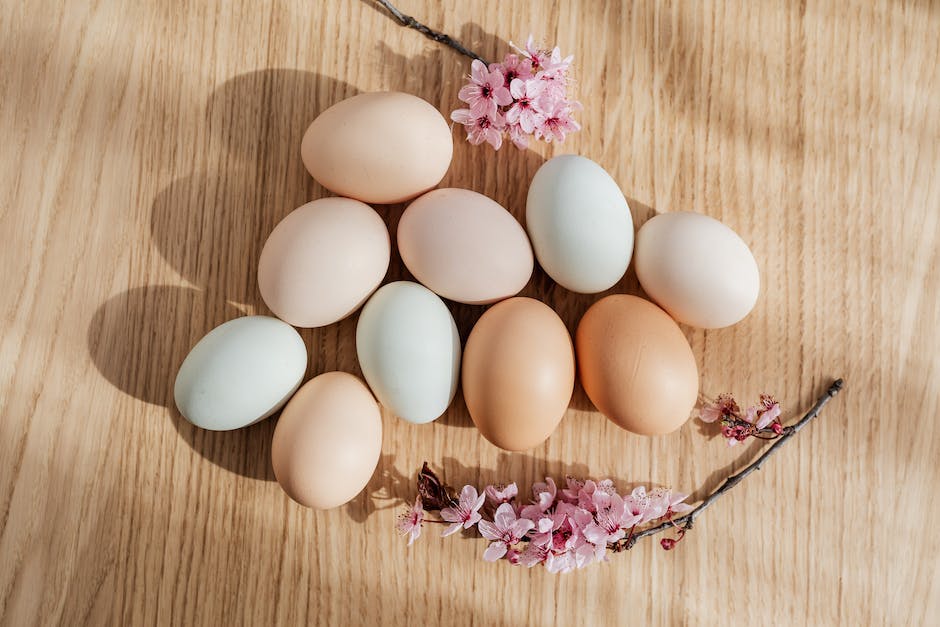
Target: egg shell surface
240	372
580	224
464	246
379	147
518	373
322	261
636	365
327	441
697	269
409	351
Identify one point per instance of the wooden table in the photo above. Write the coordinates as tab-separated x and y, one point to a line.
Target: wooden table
147	150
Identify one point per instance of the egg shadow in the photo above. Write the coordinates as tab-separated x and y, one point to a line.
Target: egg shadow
137	341
210	226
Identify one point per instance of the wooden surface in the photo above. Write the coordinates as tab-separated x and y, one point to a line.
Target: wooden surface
147	150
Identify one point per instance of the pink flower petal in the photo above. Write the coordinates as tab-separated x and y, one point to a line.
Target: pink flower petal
462	116
478	71
495	551
452	529
489	530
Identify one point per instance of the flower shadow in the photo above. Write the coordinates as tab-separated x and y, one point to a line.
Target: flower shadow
388	488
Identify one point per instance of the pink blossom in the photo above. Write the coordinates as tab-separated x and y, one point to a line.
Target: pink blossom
486	90
505	531
763	414
466	513
570	494
519	137
525	109
670	502
499	494
485	128
548	61
558	123
724	406
638	503
533	554
409	523
611	521
543	498
512	67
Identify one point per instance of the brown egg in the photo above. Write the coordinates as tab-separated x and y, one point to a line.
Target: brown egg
327	441
518	373
636	365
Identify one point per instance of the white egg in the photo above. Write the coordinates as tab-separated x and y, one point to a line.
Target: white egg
580	224
241	372
409	351
697	269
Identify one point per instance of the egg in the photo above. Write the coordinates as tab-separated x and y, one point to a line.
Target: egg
409	351
697	269
322	261
636	365
464	246
327	441
518	373
382	147
240	372
580	224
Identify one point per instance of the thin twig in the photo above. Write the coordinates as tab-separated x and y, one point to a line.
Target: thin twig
686	522
430	33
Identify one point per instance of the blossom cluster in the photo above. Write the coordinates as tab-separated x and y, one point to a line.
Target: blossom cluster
563	529
761	420
526	95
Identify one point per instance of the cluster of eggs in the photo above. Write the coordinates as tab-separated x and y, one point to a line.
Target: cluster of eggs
328	258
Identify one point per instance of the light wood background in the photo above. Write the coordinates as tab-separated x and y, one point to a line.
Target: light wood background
148	148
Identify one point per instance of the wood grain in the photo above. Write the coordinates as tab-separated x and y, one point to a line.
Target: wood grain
149	147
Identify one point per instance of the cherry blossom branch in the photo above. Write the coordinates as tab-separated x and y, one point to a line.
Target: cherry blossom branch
684	523
441	38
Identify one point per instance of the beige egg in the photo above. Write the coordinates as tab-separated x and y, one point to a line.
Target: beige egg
697	269
518	373
382	147
322	261
636	365
327	441
464	246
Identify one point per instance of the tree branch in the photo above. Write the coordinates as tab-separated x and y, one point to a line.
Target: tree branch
441	38
685	522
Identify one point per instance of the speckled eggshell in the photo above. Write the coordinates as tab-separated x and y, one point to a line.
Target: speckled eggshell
518	373
381	147
464	246
697	269
322	261
327	441
636	365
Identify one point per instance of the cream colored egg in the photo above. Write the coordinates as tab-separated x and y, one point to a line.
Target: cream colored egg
382	147
323	261
697	269
464	246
